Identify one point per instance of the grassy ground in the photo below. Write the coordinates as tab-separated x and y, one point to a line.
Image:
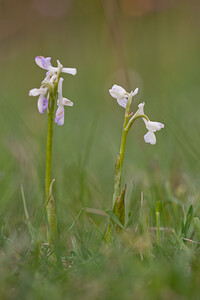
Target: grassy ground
162	58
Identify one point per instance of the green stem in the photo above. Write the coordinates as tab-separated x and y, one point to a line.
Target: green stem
51	213
118	173
49	148
135	117
120	158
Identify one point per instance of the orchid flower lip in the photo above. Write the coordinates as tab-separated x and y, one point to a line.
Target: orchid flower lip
42	104
122	102
150	138
59	119
152	127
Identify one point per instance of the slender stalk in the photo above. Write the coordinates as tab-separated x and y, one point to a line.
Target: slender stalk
118	205
51	213
120	158
49	148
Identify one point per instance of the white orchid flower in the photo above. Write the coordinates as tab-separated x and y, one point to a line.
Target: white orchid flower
120	94
42	100
59	119
45	63
151	126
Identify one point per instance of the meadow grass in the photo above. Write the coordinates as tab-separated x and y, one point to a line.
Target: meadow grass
137	266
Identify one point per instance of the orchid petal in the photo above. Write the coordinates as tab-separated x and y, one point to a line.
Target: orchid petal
140	110
42	104
60	88
42	62
150	138
59	119
118	92
67	102
35	92
122	102
135	92
71	71
154	126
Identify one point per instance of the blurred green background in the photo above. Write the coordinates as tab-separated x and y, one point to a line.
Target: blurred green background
152	45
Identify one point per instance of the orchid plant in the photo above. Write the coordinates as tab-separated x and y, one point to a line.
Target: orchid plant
50	89
124	99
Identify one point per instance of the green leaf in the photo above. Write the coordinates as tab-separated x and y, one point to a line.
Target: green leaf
52	233
188	219
76	219
114	218
32	230
119	207
196	223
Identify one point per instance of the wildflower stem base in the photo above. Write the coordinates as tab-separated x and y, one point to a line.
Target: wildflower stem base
118	196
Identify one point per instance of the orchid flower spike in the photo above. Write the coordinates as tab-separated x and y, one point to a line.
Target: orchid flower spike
59	119
151	126
45	63
42	100
52	77
121	95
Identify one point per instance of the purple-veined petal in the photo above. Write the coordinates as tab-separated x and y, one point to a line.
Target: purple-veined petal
122	102
43	62
59	119
42	104
150	138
